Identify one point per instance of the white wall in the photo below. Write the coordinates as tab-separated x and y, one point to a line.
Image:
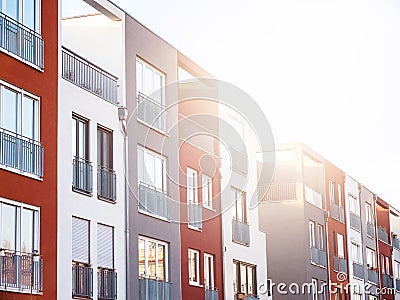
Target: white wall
395	228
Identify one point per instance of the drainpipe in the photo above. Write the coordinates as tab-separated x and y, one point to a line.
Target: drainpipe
123	115
378	258
328	268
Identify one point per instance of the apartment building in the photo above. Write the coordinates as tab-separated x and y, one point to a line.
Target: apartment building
294	217
91	158
28	149
394	218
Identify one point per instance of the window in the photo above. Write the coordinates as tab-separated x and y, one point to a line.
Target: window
206	187
313	242
339	188
149	81
105	246
321	237
209	271
151	169
245	280
340	245
194	267
314	288
356	253
191	177
387	264
104	148
368	213
354	205
80	138
371	258
23	11
239	208
153	262
80	240
397	269
332	191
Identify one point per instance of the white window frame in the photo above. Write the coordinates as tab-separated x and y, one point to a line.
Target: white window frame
371	257
331	191
339	189
313	240
340	245
194	279
192	178
20	95
209	266
356	253
164	187
235	211
368	212
38	14
207	191
146	257
155	71
387	264
396	269
321	237
354	205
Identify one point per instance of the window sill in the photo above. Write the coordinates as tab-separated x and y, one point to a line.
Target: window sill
209	208
153	216
153	128
16	57
106	200
317	265
25	291
241	243
19	172
195	228
196	284
82	192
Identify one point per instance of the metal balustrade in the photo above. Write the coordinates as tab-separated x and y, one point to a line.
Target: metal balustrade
358	270
153	289
383	235
82	175
387	280
153	201
211	294
339	264
355	221
22	272
373	276
21	41
396	242
335	211
277	192
107	284
82	281
89	77
21	153
151	112
370	230
106	184
398	284
195	215
240	232
341	214
318	256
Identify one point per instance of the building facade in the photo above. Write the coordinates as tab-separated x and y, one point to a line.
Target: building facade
28	149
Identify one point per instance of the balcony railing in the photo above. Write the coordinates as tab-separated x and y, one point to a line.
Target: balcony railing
21	41
21	272
398	284
358	270
152	289
23	154
211	294
89	77
396	242
355	221
383	235
370	230
82	175
195	215
107	284
341	214
277	192
312	196
82	281
339	264
387	280
335	211
318	256
240	232
373	276
151	112
106	184
153	201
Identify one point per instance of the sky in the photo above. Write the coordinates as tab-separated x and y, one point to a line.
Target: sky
326	73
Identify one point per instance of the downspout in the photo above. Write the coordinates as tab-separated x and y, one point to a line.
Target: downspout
123	115
378	258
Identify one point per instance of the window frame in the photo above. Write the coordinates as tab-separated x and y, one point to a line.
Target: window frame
164	168
235	211
238	278
332	198
192	191
314	283
371	254
155	70
354	205
209	258
207	189
194	279
356	253
312	232
101	145
166	262
340	245
113	245
20	18
369	213
86	123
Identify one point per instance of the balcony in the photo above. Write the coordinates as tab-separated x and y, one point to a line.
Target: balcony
106	184
335	211
358	270
240	232
153	201
152	289
396	242
318	256
82	281
82	172
387	280
195	218
341	214
312	196
21	153
151	112
277	192
89	77
21	41
398	284
355	222
383	235
373	276
211	294
339	264
21	272
107	284
370	230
